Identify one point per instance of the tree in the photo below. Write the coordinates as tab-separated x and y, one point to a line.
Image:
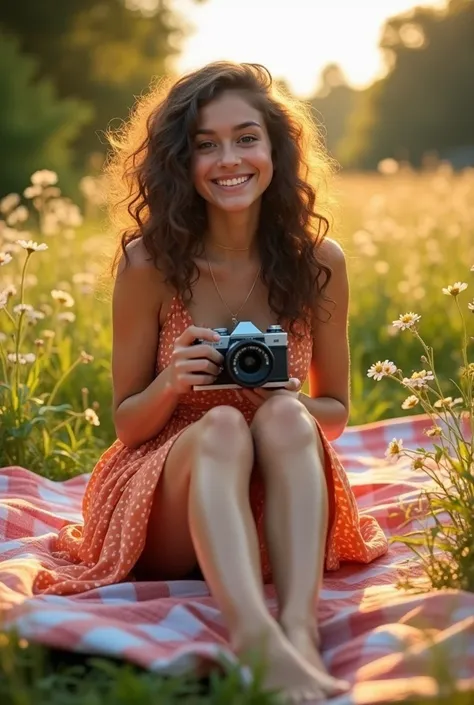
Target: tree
37	129
333	104
102	52
426	102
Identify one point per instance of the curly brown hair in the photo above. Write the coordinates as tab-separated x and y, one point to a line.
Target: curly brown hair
151	193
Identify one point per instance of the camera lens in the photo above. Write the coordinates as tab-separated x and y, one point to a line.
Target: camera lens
249	364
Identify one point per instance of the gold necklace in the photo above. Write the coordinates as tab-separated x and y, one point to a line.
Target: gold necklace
233	315
234	249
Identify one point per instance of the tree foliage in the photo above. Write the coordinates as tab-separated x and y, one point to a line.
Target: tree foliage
426	102
37	129
99	52
332	106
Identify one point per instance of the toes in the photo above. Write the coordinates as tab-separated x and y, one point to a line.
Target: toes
342	686
305	695
309	696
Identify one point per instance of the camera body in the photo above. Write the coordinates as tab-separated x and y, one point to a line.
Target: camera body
252	358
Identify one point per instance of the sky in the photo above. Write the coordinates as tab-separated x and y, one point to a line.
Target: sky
295	39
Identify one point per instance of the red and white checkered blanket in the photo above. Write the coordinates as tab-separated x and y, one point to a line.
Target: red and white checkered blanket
373	634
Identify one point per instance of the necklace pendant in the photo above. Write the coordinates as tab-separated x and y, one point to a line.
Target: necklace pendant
234	321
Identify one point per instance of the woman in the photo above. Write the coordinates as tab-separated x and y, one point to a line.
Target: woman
218	175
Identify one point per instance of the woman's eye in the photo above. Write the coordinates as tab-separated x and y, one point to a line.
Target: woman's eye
204	145
248	139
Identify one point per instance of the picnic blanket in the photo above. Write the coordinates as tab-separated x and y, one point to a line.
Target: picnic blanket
375	635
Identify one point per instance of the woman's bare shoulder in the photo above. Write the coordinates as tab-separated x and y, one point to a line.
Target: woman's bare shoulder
137	257
138	272
331	252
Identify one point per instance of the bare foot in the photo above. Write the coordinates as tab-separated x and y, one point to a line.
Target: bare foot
285	669
306	643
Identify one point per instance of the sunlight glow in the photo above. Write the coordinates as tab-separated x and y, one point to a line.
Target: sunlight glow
295	39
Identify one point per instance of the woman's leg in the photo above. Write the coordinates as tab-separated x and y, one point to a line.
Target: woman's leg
203	509
291	458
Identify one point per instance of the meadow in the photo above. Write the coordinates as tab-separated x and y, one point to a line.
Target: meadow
406	236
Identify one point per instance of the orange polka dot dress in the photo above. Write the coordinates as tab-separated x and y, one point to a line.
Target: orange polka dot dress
119	495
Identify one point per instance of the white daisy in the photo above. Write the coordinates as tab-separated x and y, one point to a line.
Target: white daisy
433	431
394	449
22	308
8	203
410	402
91	417
406	320
62	297
454	289
32	191
418	380
381	369
22	359
67	316
31	246
447	402
86	358
44	178
5	258
34	316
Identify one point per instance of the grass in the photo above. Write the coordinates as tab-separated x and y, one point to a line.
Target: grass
406	236
33	675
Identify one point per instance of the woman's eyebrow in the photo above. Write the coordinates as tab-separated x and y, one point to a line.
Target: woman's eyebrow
241	126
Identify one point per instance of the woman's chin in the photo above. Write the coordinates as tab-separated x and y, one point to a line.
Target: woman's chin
234	204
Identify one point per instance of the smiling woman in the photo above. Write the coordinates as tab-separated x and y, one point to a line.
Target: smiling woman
225	226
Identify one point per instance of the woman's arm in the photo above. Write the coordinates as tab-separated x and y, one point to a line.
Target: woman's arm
143	403
328	399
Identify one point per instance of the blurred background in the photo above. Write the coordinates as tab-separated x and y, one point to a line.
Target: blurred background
386	80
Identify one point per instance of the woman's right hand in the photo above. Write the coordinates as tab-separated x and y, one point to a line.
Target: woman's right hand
194	364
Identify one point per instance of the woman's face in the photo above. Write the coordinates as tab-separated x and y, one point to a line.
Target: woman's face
232	157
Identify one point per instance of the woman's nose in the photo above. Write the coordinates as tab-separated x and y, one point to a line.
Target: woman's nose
229	157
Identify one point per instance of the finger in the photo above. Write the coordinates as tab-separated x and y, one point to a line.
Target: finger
293	384
197	380
193	333
204	351
200	365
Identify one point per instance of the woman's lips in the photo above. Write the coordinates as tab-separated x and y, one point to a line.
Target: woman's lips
233	183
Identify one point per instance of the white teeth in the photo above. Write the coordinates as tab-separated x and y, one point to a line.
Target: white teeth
232	182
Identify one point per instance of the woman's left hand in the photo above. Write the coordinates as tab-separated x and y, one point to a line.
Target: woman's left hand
259	395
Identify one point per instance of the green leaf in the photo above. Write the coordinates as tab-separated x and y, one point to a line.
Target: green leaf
37	400
22	431
63	453
55	409
46	442
23	393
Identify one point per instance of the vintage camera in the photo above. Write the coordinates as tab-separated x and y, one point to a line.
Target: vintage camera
251	358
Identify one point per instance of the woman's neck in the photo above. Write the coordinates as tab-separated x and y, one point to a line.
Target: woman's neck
232	235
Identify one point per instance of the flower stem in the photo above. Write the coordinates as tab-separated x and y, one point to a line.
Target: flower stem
16	402
61	380
468	386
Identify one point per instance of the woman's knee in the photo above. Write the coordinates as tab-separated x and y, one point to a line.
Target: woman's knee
284	422
223	429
